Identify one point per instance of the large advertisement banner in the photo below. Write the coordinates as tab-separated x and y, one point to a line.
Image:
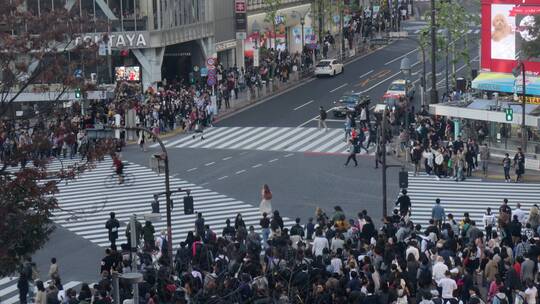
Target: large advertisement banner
505	25
503	41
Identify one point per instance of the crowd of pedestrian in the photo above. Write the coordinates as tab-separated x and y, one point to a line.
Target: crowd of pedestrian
444	155
331	258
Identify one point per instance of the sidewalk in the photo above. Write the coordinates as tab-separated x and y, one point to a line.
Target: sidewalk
495	169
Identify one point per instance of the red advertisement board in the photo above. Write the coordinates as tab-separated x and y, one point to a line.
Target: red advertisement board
504	29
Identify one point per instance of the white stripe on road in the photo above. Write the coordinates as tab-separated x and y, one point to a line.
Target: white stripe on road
365	74
381	82
398	58
301	106
341	86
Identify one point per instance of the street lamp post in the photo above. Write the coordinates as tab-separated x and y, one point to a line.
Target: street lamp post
405	68
434	97
302	22
519	70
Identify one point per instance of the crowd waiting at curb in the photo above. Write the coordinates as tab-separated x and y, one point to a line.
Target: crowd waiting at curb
331	258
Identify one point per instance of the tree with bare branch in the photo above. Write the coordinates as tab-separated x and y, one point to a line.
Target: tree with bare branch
39	51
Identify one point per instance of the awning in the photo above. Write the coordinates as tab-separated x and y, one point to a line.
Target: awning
487	110
504	82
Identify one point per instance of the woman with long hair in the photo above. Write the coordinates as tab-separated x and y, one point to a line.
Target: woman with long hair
266	200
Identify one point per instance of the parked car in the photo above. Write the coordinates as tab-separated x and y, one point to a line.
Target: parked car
330	67
401	88
349	103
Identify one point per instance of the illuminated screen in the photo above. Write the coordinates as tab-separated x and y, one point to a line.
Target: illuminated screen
505	25
132	73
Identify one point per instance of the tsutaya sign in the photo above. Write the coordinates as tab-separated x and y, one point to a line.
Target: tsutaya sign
119	40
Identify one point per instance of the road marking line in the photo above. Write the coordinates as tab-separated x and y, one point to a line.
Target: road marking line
341	86
209	164
365	74
223	177
256	166
245	152
192	169
381	82
303	105
240	172
273	160
315	118
288	155
398	58
227	158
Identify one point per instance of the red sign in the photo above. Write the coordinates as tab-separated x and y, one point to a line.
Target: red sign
240	6
505	25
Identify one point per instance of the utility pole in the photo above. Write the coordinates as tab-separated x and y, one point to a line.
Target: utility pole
524	102
519	70
165	159
434	98
341	6
383	160
447	66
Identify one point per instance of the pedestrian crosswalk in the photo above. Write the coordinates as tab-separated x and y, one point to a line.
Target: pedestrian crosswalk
472	195
9	294
85	204
266	139
418	29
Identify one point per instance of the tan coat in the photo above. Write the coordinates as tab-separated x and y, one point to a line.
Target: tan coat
491	270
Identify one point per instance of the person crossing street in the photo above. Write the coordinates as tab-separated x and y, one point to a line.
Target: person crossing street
322	119
112	226
353	149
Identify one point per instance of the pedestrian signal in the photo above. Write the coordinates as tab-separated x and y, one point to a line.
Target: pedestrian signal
403	179
509	114
188	205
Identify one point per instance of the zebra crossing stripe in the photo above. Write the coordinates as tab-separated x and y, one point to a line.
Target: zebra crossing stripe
254	142
266	139
85	203
272	144
211	138
285	143
275	139
10	294
302	142
246	134
335	133
472	195
263	132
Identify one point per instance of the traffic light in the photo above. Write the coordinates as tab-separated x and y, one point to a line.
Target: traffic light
403	179
78	93
188	205
509	114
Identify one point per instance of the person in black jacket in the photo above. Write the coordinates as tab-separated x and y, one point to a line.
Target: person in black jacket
404	203
112	226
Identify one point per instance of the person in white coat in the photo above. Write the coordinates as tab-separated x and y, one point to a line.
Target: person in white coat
266	200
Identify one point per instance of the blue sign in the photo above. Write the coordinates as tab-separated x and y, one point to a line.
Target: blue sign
204	71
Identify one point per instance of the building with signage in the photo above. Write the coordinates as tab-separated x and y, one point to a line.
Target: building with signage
497	106
293	19
162	39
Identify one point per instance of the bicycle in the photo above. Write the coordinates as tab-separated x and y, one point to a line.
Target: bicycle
112	180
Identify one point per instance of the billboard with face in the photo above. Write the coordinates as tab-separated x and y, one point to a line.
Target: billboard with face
505	26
